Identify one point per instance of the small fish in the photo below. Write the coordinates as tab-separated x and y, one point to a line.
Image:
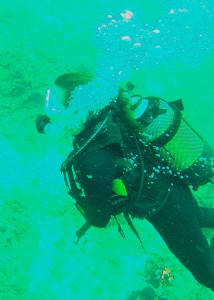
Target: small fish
41	121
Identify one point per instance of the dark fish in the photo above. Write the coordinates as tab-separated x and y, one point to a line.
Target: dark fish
146	293
41	121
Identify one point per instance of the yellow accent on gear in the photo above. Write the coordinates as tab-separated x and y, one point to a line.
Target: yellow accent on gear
118	187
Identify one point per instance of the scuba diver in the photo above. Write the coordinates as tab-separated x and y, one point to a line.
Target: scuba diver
136	156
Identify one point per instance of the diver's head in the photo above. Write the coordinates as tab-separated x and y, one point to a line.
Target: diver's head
60	95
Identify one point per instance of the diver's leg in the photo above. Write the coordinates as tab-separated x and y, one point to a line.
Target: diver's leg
206	217
177	223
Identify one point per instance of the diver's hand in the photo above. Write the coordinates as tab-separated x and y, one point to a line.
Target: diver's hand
41	121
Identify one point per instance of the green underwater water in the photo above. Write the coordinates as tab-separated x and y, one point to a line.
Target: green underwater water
39	41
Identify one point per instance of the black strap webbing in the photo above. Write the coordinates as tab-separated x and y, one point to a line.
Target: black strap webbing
120	230
131	225
81	232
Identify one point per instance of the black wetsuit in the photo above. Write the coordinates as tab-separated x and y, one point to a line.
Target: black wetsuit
176	214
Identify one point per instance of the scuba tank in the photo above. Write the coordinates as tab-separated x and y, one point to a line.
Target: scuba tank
172	139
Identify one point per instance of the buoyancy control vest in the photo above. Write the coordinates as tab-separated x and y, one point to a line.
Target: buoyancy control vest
172	140
103	134
127	189
137	179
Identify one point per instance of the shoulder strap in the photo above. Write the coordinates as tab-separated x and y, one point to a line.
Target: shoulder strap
69	160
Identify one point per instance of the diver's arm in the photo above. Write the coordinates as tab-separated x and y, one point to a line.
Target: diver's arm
95	172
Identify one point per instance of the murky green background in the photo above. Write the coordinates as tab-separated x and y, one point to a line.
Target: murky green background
40	40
